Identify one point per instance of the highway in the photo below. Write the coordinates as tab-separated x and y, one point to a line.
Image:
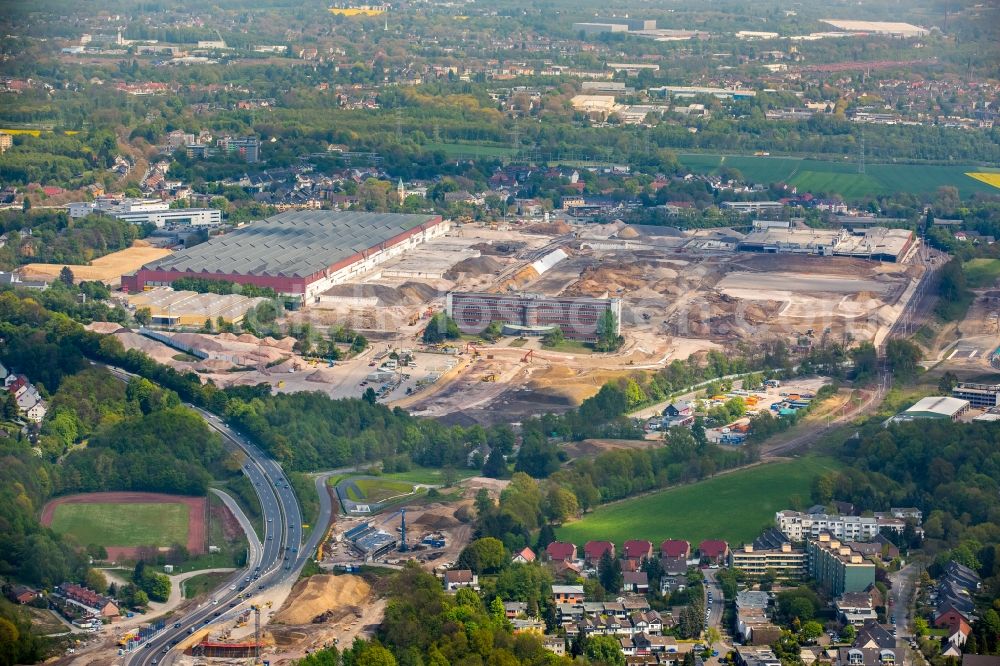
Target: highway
275	558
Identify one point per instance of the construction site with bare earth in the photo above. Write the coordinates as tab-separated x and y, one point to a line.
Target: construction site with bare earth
680	293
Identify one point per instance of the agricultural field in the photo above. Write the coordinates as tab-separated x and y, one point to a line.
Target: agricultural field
108	268
734	507
843	177
982	272
988	178
126	525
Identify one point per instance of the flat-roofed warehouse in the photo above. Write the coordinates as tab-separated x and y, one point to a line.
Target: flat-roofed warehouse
297	253
876	243
187	308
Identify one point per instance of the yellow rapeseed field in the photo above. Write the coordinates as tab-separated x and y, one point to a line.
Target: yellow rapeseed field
988	178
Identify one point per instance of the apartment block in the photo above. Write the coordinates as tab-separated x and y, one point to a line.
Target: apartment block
799	526
838	567
786	562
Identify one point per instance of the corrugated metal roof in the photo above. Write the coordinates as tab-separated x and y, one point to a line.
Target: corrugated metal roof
292	244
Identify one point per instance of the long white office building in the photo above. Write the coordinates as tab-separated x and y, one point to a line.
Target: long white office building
799	526
146	211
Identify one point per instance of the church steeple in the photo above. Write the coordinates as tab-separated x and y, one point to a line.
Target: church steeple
401	191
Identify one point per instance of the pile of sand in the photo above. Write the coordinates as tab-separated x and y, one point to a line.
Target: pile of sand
155	350
521	278
321	593
474	266
556	228
323	376
437	517
104	327
628	233
408	293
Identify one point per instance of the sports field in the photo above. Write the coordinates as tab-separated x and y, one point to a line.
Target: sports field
126	522
842	177
471	149
734	507
123	524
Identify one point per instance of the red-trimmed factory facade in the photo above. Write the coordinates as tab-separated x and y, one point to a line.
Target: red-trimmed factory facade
299	253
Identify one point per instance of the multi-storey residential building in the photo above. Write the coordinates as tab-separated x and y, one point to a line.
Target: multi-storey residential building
785	562
532	314
247	146
801	526
837	567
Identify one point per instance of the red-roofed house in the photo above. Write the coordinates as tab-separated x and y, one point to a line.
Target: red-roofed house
524	556
593	551
713	551
559	551
675	549
89	599
637	549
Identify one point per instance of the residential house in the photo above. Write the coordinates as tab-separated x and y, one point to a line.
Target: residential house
642	644
752	599
525	625
88	600
955	588
958	630
638	550
648	622
675	409
554	644
458	578
949	619
593	551
567	594
635	581
21	594
856	608
675	549
980	660
559	551
756	656
514	609
873	635
713	552
524	556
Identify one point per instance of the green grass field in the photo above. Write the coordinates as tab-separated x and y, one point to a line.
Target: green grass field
733	507
381	489
203	584
982	272
123	524
843	177
429	476
471	149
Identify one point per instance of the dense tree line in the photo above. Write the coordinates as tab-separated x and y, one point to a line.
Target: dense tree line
948	470
424	625
47	236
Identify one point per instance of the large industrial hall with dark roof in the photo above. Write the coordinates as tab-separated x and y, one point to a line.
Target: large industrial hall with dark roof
297	253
